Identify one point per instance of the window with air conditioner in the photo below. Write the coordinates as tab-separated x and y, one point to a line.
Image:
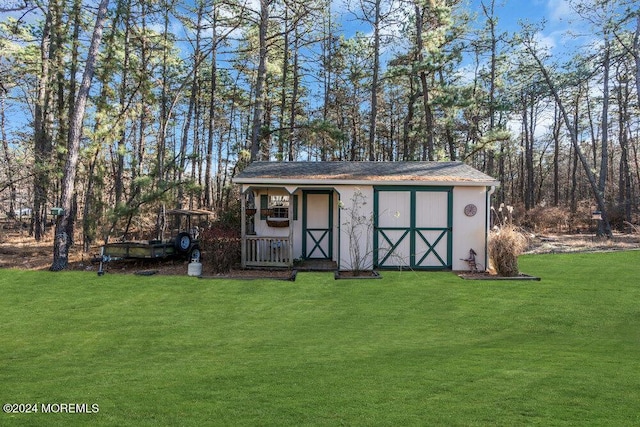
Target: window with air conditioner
279	206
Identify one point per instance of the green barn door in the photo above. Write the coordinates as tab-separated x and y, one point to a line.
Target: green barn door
432	229
392	228
317	224
412	227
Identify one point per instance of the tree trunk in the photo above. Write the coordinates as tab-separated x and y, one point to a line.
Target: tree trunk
257	122
428	146
408	142
373	118
353	150
59	51
161	141
556	157
574	156
489	14
192	105
636	55
208	191
625	197
528	124
283	85
573	204
121	144
8	168
327	74
42	136
604	228
65	223
294	100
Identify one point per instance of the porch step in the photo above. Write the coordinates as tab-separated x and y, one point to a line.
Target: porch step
317	265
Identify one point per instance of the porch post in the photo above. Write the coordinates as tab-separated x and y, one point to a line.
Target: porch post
290	228
243	228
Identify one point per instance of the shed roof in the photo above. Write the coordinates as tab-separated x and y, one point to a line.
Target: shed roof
380	173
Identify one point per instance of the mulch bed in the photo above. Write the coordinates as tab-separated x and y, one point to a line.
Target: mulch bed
489	276
286	275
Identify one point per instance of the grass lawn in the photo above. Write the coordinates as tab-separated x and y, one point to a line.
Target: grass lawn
410	349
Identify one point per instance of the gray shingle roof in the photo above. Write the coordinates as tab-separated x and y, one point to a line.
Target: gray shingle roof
406	172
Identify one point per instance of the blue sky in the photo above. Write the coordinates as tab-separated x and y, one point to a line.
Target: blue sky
557	15
509	12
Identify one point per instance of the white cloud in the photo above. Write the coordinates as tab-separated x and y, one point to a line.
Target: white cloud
466	74
546	41
559	10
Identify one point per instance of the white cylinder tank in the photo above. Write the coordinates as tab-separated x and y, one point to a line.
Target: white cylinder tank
194	269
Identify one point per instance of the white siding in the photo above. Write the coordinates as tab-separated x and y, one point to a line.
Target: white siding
469	232
365	243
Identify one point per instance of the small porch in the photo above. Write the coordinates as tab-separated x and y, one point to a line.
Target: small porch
274	233
266	252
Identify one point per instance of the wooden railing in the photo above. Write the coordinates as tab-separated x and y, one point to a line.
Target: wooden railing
267	252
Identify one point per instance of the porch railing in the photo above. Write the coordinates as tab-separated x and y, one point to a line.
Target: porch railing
267	252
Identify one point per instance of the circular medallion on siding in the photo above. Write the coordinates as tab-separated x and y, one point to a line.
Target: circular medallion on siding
470	209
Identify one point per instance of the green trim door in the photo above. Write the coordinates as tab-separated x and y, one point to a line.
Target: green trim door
412	227
317	224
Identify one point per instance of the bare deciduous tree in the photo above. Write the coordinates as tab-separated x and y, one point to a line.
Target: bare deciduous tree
64	226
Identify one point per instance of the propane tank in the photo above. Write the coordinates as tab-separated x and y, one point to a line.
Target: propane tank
194	269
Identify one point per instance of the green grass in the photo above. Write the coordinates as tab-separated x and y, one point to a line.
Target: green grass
410	349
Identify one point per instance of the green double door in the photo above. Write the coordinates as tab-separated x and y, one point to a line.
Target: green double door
412	227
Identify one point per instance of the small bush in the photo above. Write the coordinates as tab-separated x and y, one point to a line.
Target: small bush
506	243
548	218
222	247
632	228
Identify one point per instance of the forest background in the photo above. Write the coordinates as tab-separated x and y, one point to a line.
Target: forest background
121	110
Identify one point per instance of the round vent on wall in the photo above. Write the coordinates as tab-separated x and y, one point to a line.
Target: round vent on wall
470	210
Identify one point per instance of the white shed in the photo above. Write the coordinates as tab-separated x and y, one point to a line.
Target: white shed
363	215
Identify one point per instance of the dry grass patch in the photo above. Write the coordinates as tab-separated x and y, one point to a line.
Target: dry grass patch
505	245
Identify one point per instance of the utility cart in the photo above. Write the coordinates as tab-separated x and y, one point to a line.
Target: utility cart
183	243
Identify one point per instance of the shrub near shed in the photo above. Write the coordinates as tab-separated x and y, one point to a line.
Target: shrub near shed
222	247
